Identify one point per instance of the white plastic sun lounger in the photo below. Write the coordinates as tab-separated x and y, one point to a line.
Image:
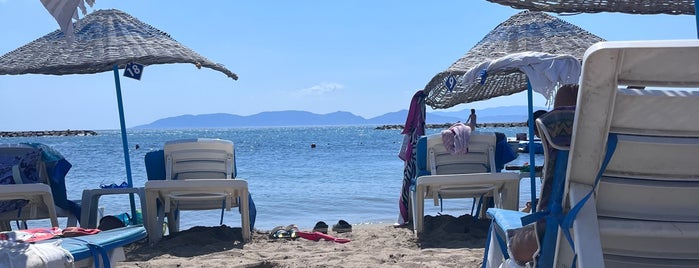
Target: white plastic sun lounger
461	176
38	195
642	208
199	176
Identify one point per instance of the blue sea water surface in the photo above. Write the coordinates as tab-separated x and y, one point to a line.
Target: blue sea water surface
353	173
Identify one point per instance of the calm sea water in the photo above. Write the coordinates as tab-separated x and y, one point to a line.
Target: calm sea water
354	172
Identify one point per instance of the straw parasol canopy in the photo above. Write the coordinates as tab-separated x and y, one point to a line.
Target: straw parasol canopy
671	7
524	32
103	38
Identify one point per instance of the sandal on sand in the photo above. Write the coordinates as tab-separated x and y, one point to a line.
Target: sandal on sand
317	236
321	227
342	227
281	232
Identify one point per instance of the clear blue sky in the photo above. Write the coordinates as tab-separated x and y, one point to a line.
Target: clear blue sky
366	57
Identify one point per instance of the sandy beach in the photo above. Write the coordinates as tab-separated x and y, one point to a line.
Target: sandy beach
447	242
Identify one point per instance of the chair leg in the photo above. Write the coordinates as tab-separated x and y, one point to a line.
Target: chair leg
173	221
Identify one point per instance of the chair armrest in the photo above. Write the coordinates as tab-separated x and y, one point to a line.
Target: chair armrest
467	179
506	219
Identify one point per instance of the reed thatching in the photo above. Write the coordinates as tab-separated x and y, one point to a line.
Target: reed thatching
523	32
102	39
672	7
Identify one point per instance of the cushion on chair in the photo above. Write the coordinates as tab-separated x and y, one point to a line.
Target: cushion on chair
155	165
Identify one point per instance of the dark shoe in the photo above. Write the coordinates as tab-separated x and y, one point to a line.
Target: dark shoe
321	227
342	227
110	222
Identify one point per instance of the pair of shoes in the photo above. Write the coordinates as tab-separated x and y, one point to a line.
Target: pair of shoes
321	227
281	232
342	227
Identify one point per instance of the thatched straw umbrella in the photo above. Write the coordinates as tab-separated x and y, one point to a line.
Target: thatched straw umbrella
523	32
104	40
671	7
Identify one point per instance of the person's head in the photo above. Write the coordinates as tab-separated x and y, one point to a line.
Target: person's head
566	95
536	115
473	111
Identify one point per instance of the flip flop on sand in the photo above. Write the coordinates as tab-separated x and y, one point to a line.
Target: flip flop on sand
282	232
342	227
321	227
317	236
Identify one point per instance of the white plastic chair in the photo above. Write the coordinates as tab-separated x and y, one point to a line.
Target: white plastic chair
462	176
199	176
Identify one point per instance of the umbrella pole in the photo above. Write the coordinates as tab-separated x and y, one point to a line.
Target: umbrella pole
124	142
696	13
532	164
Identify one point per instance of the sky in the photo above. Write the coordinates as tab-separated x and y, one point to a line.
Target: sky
366	57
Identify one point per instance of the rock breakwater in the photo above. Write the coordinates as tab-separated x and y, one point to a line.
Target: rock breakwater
47	133
447	125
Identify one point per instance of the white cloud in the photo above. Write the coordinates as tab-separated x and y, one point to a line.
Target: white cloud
322	88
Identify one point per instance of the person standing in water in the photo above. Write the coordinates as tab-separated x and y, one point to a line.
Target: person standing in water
471	122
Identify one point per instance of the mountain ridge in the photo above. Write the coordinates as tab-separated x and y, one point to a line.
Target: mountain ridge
503	114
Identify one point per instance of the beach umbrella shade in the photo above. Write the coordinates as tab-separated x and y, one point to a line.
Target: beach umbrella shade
495	66
523	32
671	7
104	40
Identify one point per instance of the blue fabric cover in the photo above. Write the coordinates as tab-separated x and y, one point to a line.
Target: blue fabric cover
503	152
155	165
79	246
421	162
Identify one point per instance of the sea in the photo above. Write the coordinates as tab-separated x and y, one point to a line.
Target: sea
353	173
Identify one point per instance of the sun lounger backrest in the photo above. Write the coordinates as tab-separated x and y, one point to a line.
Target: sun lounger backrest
199	159
653	174
20	164
479	159
30	158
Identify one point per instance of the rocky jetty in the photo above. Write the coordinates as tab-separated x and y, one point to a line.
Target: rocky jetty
447	125
47	133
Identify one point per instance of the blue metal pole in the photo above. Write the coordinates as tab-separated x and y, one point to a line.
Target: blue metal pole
696	13
532	164
124	142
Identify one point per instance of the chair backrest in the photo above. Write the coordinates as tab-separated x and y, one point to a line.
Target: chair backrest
199	159
19	164
653	174
22	163
479	159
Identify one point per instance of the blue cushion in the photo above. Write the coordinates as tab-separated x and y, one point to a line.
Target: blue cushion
155	165
421	157
108	240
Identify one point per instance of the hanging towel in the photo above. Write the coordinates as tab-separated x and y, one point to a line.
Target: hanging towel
455	139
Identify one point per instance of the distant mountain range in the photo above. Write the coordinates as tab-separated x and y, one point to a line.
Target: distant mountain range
504	114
